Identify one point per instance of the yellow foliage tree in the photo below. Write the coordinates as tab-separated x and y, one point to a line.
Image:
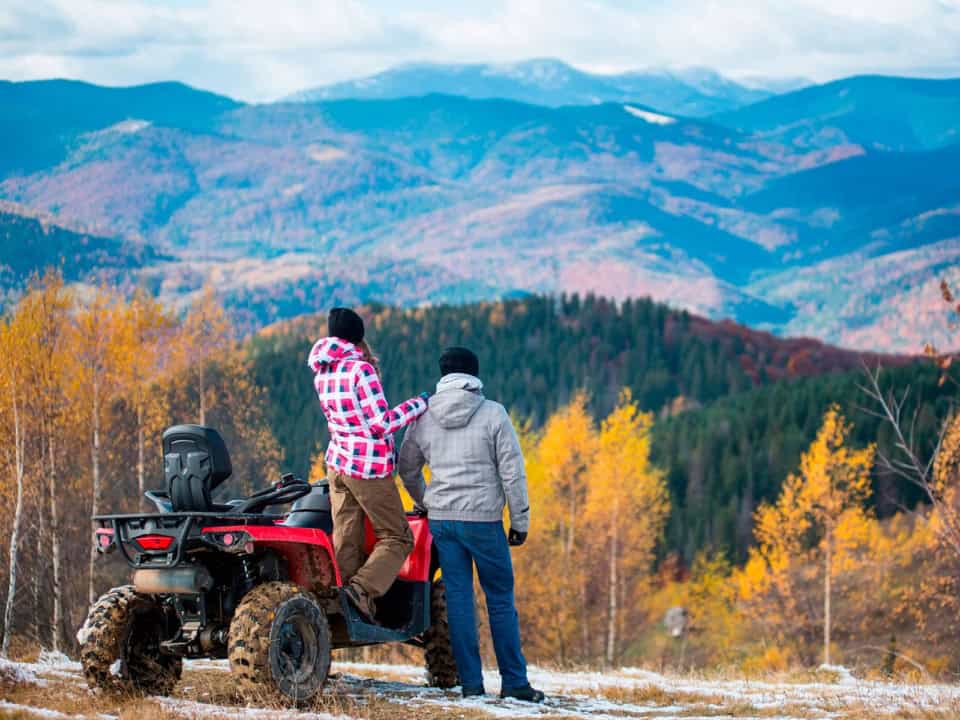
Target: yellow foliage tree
626	509
551	569
819	515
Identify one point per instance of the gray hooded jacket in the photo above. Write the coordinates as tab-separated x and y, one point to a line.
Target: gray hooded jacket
475	460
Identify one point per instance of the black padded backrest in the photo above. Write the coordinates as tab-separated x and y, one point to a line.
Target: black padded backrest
195	462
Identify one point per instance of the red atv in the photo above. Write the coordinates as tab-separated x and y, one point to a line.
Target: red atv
229	580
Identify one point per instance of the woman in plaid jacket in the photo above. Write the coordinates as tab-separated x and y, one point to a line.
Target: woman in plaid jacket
360	459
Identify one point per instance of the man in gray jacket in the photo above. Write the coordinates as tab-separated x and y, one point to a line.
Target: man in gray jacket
476	467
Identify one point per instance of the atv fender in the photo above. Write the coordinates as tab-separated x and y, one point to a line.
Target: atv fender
308	552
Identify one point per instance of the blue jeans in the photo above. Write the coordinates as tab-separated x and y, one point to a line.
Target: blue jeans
461	544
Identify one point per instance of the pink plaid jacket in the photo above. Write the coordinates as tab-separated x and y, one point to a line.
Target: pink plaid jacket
361	423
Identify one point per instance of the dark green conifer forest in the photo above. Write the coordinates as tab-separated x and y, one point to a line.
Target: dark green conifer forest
735	408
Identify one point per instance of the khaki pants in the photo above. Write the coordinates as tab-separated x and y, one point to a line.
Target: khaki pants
352	499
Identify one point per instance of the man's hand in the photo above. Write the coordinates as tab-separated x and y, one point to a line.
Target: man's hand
516	538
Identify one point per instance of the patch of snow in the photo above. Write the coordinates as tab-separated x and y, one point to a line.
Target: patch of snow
325	153
129	126
844	676
116	669
56	660
36	711
193	709
17	672
650	117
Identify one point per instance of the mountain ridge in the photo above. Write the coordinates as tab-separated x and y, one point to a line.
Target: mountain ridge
547	81
289	207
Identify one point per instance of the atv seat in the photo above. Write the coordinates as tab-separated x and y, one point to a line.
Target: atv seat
195	462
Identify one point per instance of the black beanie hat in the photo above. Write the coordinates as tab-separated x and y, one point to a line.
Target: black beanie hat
345	324
459	360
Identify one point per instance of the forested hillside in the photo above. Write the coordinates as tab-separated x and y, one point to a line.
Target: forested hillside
30	242
735	407
813	213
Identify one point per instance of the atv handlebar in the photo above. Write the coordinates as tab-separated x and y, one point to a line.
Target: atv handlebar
286	490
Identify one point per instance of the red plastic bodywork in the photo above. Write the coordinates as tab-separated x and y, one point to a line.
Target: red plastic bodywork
416	568
309	551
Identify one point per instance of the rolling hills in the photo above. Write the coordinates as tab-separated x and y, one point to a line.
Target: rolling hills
876	111
288	207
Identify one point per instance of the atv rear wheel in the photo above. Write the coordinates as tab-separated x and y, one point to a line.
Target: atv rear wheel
279	644
438	651
120	645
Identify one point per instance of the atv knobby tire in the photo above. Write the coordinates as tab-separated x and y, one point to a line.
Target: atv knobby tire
438	651
120	645
279	644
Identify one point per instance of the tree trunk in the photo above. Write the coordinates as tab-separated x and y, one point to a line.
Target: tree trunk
55	545
613	582
18	449
95	503
828	555
141	479
203	394
42	542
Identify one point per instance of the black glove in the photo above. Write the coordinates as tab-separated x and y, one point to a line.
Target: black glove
516	538
419	510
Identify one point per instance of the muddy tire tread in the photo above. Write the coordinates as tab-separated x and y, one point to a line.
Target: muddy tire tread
248	648
438	650
105	631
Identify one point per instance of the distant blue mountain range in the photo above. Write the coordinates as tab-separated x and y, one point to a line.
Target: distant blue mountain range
693	92
832	210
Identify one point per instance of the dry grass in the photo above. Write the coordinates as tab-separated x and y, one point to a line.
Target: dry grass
376	693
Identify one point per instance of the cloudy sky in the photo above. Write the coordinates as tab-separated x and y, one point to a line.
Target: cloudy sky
264	49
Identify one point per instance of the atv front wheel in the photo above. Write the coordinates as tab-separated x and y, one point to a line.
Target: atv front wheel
279	645
438	651
120	645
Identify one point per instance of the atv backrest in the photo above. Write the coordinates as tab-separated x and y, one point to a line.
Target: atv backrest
195	462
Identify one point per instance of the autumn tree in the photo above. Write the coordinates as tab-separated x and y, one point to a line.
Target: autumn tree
51	304
99	346
819	516
552	570
207	336
148	331
15	338
626	511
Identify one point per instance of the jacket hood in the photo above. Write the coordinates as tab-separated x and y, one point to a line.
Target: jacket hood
458	398
330	350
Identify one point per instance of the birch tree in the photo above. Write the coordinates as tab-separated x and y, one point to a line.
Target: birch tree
818	517
15	344
52	304
627	509
94	385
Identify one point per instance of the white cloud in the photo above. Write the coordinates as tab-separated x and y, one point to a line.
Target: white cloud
261	50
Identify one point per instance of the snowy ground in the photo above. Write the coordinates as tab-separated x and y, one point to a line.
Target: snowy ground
53	687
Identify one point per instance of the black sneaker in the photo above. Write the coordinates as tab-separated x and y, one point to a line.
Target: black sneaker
525	693
474	691
362	603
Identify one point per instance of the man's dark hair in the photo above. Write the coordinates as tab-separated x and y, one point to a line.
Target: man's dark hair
459	360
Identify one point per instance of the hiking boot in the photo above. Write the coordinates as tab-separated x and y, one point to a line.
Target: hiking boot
363	604
525	693
469	692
